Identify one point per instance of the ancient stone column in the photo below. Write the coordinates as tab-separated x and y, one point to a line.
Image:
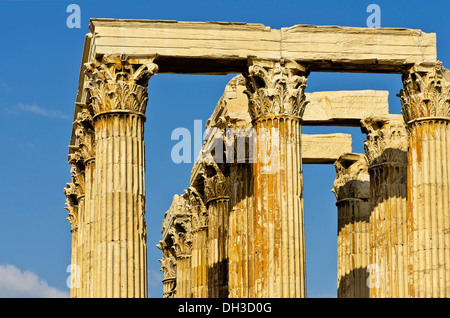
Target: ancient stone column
72	208
351	188
426	110
169	269
118	97
276	105
78	204
182	237
199	258
217	197
386	149
86	146
176	247
241	234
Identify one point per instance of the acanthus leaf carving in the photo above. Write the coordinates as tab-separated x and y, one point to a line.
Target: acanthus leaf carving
117	84
216	183
85	134
387	140
72	192
426	93
199	212
352	177
168	261
276	89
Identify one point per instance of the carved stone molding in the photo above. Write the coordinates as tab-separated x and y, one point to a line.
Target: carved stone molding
72	211
387	139
426	93
168	261
182	240
72	194
85	135
216	183
116	84
84	150
78	178
198	209
276	88
352	177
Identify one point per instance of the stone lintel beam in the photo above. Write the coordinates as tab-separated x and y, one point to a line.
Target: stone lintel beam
344	108
326	148
224	47
325	108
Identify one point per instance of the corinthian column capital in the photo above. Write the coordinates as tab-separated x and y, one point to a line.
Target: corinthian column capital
387	140
276	88
216	183
168	260
199	212
116	84
72	194
352	177
85	136
426	93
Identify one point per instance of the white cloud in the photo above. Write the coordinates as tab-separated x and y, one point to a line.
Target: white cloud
35	109
17	284
4	86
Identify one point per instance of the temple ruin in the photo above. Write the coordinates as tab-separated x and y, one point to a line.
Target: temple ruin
237	231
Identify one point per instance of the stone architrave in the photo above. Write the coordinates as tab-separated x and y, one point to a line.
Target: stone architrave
425	102
118	96
351	188
276	105
386	148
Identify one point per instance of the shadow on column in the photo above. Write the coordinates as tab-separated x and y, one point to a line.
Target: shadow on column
354	284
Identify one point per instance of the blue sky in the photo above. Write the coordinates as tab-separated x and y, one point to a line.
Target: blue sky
38	83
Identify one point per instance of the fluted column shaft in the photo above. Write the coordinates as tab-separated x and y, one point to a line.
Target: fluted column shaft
121	250
279	265
386	149
82	162
183	280
199	263
429	208
75	260
218	248
351	188
426	107
241	234
89	228
276	105
82	252
199	255
217	196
